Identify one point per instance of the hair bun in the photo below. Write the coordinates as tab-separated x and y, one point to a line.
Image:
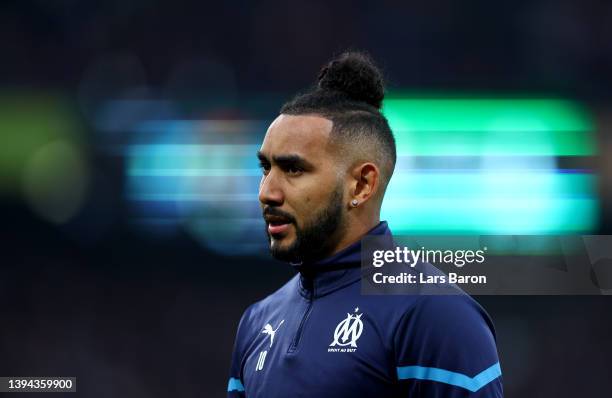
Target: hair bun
355	74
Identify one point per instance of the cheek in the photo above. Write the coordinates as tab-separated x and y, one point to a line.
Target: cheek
309	195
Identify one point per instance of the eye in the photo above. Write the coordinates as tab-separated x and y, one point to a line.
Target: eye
294	170
265	168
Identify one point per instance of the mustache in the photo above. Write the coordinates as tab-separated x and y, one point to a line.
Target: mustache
276	212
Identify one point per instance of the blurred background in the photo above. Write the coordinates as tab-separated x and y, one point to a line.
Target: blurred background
132	237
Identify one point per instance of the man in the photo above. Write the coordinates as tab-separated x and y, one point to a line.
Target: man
326	161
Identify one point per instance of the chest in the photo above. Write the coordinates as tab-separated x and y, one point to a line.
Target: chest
318	348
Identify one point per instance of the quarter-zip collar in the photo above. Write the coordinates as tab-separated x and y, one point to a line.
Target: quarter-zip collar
343	268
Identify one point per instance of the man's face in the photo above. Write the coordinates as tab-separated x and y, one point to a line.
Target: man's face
301	193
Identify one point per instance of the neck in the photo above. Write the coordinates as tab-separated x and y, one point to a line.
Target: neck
356	229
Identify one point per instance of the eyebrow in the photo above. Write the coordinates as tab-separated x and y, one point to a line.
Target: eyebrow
286	160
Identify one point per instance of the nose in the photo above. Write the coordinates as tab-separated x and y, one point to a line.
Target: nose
270	190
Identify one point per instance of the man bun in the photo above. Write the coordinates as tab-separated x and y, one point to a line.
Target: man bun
356	75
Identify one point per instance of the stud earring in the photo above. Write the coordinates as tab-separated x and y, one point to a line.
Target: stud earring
354	202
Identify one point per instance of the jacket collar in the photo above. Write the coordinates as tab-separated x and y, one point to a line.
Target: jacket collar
324	276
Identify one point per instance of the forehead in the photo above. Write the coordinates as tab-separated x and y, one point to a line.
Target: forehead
297	134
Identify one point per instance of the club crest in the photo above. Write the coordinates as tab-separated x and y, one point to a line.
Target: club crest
347	332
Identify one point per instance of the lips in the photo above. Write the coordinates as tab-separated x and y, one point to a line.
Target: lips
276	229
277	224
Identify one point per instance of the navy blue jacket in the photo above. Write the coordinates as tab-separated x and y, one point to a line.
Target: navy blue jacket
318	336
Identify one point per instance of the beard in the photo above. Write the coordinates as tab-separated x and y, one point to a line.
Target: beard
317	238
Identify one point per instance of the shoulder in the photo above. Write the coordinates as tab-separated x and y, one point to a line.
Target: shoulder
456	318
451	332
447	344
260	310
433	315
459	310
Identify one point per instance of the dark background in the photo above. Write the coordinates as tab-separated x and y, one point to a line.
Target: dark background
138	315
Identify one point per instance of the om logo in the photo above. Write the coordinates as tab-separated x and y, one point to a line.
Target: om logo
348	330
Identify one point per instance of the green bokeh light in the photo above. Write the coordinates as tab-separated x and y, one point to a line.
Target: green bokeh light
471	127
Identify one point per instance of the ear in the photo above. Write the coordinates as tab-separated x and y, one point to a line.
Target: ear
366	179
